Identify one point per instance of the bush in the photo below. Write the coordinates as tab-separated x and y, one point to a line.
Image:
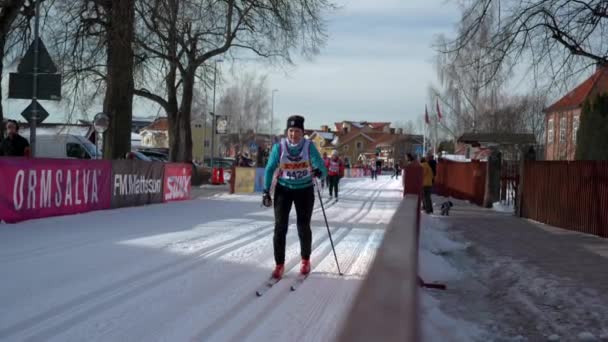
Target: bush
592	136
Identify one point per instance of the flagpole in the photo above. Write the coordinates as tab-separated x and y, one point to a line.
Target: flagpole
436	136
424	140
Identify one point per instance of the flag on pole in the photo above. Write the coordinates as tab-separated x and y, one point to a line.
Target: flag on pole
439	116
426	116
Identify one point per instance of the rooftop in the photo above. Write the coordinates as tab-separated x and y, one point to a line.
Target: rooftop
498	138
598	83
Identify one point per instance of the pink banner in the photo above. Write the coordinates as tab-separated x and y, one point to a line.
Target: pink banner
37	188
177	182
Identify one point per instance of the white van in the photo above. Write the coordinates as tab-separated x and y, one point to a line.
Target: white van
65	146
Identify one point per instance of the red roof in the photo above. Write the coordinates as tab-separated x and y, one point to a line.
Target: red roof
598	83
160	124
376	126
379	125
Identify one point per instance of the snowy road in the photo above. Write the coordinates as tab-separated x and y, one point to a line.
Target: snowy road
185	271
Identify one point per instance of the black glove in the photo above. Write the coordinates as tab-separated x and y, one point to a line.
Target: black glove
317	173
266	200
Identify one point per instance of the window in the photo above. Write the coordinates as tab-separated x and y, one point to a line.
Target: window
550	132
359	145
207	144
345	148
76	151
563	123
575	124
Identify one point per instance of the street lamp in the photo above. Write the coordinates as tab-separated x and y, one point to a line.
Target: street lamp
213	113
272	117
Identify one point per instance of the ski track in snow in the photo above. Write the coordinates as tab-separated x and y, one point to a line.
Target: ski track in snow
187	271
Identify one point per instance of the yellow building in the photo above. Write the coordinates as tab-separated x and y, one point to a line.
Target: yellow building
156	135
323	140
201	140
353	145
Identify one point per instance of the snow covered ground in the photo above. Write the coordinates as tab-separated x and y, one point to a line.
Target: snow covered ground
493	297
187	271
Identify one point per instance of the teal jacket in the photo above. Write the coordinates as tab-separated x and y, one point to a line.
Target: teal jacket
273	163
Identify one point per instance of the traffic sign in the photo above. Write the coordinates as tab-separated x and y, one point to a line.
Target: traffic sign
45	62
28	113
20	86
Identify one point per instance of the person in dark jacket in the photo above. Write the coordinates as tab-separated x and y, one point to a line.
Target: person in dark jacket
13	145
433	164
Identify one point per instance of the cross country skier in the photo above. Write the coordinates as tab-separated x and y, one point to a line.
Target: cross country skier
297	160
323	180
335	168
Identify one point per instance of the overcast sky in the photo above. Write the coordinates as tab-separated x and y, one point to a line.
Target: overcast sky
377	63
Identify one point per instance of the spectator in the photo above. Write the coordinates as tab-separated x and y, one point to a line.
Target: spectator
433	165
427	186
14	145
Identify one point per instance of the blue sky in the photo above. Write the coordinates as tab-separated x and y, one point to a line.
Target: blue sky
377	64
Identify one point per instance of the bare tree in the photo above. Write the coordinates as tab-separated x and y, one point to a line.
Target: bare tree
94	42
467	89
118	101
247	105
408	126
180	37
557	37
15	32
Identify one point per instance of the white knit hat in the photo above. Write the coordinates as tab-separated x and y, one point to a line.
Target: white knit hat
334	153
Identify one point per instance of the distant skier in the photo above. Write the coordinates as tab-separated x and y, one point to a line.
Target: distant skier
335	168
323	180
297	161
374	168
396	170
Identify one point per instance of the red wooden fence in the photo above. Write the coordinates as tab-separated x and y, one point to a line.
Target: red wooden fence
465	181
570	195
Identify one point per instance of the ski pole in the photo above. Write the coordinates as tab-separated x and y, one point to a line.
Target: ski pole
327	226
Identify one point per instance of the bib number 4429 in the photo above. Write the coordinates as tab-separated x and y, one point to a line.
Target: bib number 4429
299	174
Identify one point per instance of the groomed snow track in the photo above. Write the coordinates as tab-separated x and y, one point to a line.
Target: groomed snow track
186	271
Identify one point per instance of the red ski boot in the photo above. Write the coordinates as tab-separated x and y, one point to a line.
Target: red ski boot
305	268
278	271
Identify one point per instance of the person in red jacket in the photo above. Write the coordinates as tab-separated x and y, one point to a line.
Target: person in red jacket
335	168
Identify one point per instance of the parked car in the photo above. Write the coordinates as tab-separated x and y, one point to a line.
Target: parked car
138	156
65	146
225	163
154	155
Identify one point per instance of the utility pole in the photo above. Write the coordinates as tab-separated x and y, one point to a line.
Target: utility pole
272	117
213	113
34	120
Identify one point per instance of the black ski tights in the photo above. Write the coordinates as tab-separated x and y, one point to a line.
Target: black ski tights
304	200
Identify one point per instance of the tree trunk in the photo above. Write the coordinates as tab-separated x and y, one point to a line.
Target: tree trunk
10	11
118	102
184	117
2	46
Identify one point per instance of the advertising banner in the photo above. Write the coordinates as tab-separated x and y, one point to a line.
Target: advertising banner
37	188
244	179
136	182
178	182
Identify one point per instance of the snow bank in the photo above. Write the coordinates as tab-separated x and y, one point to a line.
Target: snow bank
435	245
437	326
502	208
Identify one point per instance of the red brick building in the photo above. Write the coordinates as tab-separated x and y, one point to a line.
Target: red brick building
562	118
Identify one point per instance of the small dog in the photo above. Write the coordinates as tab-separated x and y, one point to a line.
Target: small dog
445	208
